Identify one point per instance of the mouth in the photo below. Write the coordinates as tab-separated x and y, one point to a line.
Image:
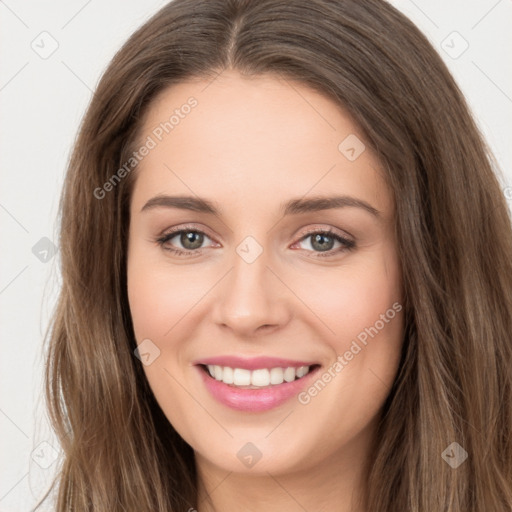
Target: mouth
259	388
243	378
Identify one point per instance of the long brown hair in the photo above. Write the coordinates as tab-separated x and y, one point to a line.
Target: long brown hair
454	239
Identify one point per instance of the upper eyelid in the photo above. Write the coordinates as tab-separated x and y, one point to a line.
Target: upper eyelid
176	231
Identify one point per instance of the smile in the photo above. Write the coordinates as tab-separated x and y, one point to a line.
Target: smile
255	385
255	379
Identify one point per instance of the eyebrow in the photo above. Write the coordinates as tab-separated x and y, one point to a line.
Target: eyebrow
291	207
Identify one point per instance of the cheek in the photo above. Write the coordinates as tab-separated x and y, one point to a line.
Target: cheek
160	299
352	299
159	296
361	313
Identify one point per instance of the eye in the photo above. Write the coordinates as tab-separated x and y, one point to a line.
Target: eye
191	241
322	242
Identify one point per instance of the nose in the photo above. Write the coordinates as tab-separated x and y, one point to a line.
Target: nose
251	299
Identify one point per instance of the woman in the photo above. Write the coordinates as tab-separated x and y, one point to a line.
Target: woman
286	273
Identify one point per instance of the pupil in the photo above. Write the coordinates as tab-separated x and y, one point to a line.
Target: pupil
191	240
319	242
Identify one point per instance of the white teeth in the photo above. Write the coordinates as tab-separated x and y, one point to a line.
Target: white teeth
301	371
241	377
263	377
289	374
227	375
276	376
260	378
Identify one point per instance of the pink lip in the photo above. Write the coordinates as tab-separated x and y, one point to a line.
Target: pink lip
254	363
255	400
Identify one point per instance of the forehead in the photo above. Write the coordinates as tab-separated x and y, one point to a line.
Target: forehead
253	139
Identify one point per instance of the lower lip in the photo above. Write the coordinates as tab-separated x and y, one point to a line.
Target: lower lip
254	400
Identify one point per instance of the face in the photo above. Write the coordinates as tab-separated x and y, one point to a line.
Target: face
262	250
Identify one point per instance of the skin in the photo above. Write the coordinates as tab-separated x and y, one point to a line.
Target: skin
249	145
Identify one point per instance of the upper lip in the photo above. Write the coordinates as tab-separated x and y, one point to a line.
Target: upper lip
253	363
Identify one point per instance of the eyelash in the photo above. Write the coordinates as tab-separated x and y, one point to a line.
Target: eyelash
347	245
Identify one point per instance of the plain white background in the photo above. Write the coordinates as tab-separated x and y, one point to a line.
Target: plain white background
43	96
